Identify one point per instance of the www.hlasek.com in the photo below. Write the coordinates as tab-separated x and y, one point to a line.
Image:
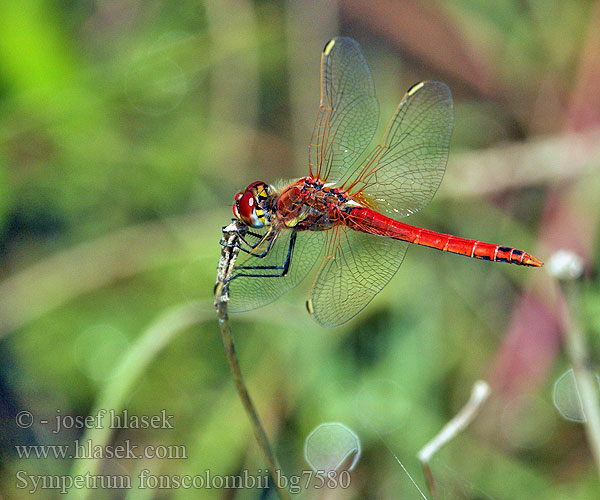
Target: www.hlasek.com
88	450
145	480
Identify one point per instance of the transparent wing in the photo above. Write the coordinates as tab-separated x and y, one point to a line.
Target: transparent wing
355	268
405	169
247	293
348	111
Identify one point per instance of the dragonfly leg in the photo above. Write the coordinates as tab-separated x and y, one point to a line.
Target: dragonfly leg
283	268
250	246
256	235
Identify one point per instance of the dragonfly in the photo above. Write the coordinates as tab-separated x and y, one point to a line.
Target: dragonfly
343	219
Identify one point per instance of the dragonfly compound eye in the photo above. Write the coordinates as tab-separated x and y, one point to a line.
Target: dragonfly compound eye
247	210
236	211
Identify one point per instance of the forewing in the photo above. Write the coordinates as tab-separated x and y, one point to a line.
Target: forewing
348	111
356	267
246	293
405	169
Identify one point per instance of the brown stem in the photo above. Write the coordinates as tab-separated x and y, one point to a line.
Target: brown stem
229	255
457	424
585	378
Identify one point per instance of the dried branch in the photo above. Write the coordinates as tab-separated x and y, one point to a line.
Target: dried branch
567	267
546	160
461	420
229	254
585	378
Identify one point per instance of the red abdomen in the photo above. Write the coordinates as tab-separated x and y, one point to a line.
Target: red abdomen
369	221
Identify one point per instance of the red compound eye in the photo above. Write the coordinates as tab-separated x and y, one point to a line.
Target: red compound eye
236	212
244	206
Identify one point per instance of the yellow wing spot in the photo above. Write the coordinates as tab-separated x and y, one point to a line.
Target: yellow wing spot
309	306
415	88
329	46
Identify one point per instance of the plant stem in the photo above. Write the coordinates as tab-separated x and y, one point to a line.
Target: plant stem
585	378
480	392
225	270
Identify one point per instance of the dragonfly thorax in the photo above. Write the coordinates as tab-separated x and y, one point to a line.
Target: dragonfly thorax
253	206
309	204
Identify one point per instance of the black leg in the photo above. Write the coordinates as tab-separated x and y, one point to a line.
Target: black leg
252	246
284	268
247	232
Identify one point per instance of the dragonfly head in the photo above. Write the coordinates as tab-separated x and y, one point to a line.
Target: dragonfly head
252	205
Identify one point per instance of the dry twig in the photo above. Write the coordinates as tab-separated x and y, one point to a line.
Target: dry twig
461	420
229	255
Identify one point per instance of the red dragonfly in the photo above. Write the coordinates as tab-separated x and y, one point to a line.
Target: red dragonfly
334	218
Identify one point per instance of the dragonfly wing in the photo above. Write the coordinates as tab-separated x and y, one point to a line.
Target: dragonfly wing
262	288
405	169
348	112
356	268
